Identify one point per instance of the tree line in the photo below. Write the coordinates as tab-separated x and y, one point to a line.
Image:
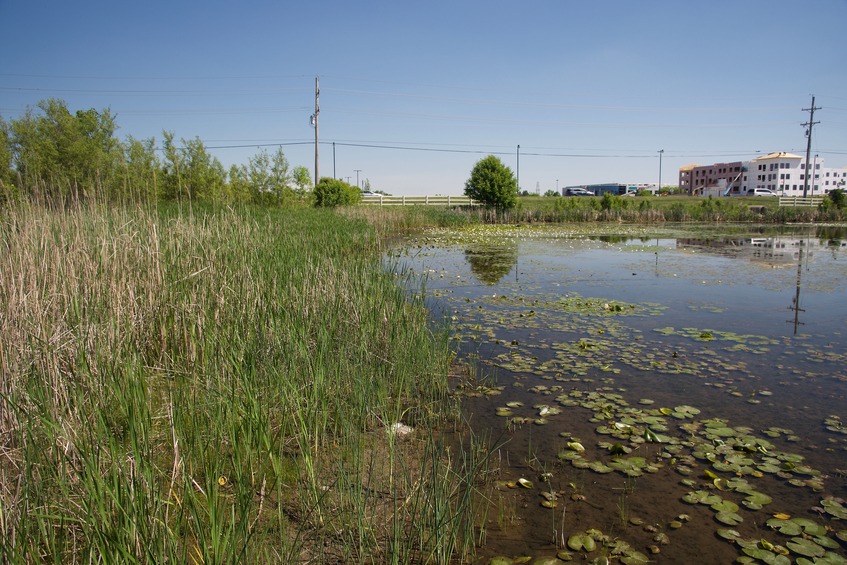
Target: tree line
52	153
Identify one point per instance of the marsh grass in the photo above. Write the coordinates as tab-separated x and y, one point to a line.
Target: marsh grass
215	385
608	208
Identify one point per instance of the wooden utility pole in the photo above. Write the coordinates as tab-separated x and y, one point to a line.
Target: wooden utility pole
315	119
809	124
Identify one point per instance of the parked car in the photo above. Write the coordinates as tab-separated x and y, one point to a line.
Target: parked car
578	192
761	192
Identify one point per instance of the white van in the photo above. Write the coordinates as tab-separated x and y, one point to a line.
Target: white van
761	192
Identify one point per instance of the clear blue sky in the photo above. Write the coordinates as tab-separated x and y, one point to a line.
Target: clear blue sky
589	90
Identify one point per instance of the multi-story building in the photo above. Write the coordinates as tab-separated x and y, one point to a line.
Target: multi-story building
703	179
784	173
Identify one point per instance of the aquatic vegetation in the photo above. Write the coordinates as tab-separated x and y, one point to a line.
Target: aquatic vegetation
654	391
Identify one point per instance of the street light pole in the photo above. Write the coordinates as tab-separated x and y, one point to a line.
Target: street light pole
659	188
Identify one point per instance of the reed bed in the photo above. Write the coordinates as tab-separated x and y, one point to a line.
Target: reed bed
216	385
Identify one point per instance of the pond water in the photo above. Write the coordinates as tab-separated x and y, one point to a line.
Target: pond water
673	394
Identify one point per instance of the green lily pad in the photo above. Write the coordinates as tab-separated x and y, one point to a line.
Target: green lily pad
728	518
634	558
766	556
725	506
826	542
805	547
758	498
834	508
728	534
582	542
600	467
810	527
785	527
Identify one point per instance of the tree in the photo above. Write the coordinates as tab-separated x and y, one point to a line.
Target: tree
191	172
203	174
138	168
59	152
331	192
269	177
239	184
837	198
551	193
171	187
302	179
6	173
493	184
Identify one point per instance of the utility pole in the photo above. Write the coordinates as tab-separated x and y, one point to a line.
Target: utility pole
315	123
659	188
809	124
333	161
519	169
357	176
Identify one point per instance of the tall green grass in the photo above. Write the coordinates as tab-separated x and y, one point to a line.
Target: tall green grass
607	208
219	386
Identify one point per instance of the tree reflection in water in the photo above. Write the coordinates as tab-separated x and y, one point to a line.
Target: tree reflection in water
490	262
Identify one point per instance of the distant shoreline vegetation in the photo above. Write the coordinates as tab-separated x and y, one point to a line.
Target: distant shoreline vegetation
54	156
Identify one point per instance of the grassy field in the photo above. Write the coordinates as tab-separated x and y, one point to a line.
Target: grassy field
220	386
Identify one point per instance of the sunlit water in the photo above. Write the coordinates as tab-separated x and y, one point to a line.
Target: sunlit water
748	328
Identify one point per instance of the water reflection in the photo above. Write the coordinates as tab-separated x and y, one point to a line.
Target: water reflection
490	262
585	332
795	303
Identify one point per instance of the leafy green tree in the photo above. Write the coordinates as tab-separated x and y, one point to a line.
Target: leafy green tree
203	174
8	190
139	167
57	152
171	186
191	173
837	198
6	172
302	179
551	193
493	184
269	177
239	184
331	192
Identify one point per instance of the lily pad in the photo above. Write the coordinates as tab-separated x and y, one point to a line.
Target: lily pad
805	547
725	506
728	518
728	534
582	542
785	527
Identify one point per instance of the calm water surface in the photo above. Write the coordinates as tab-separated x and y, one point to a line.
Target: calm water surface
662	336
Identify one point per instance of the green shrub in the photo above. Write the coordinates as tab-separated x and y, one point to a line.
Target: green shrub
330	193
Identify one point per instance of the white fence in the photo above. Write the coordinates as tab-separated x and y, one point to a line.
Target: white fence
799	201
381	200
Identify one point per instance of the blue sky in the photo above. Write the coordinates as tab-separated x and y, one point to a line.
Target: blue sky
414	94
